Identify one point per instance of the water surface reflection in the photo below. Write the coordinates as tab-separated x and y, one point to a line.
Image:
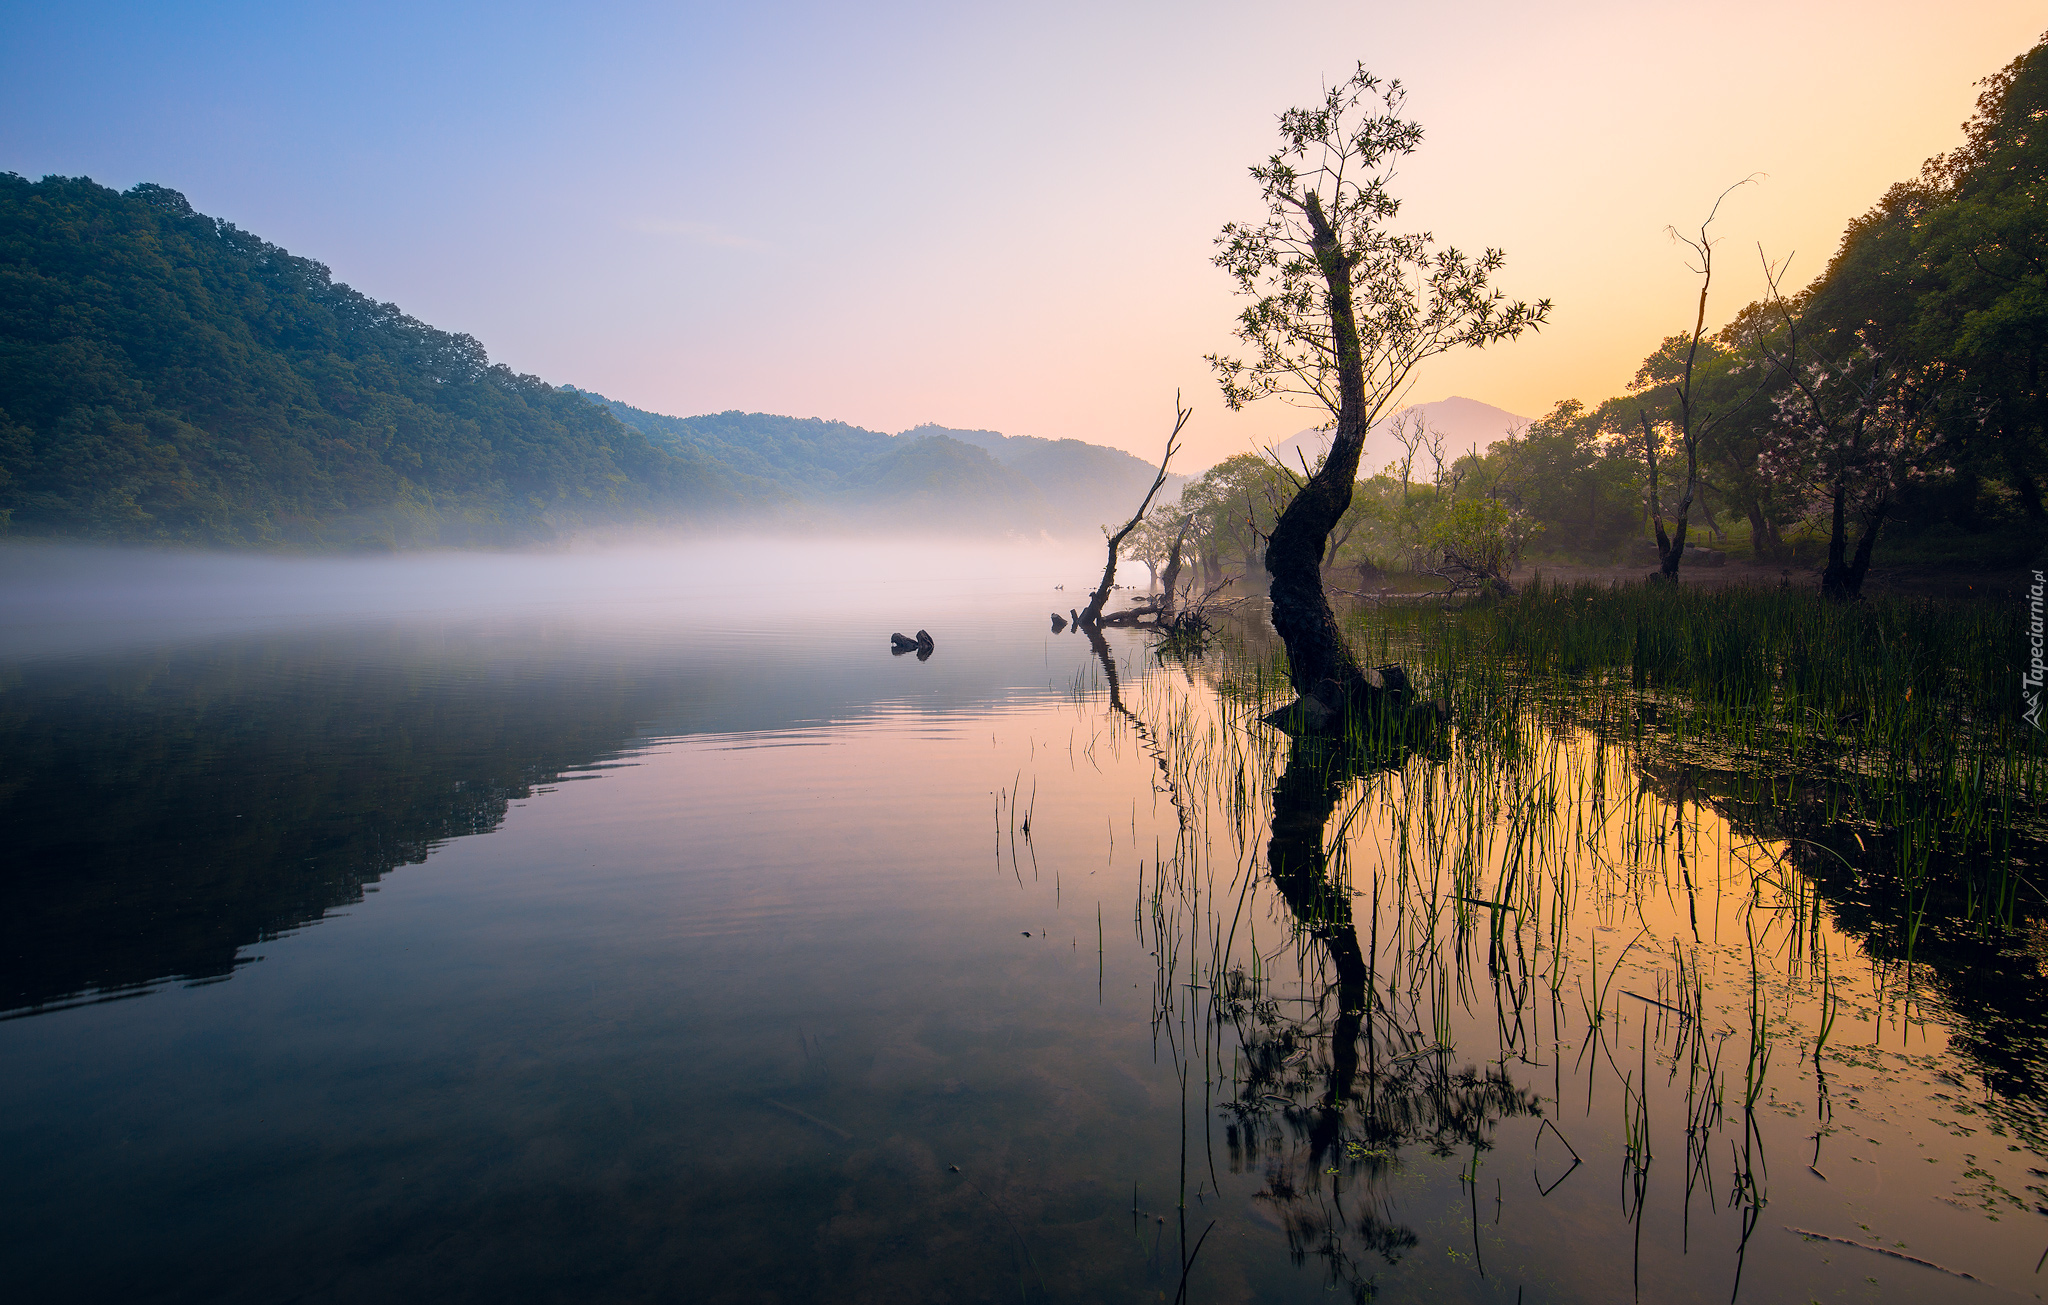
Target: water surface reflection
738	959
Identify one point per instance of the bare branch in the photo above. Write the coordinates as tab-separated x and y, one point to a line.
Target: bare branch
1093	612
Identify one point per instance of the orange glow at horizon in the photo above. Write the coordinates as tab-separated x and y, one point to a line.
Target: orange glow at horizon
998	218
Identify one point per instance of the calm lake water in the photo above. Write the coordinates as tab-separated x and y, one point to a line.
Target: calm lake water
636	927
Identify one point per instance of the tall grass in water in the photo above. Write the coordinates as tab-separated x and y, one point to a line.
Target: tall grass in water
1374	953
1897	718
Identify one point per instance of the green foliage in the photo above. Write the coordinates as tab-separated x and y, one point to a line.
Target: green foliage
1235	504
1961	254
1338	298
1481	537
801	455
1939	294
1575	481
168	377
1906	380
1152	542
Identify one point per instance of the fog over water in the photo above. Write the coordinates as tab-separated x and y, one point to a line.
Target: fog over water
210	748
631	924
68	598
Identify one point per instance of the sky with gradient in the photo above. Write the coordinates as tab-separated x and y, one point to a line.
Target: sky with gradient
985	216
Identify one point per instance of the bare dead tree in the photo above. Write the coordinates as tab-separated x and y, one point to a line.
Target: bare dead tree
1410	429
1092	614
1691	424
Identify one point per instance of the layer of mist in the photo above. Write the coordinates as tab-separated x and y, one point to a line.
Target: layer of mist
71	598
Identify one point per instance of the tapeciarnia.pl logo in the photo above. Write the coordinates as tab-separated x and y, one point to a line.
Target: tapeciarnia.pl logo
2037	668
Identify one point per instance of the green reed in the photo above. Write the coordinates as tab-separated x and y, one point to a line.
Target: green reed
1893	715
1465	874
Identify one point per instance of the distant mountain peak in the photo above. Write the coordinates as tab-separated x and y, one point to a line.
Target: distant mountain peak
1466	424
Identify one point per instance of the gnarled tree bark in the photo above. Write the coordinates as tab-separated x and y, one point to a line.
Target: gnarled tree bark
1317	655
1344	310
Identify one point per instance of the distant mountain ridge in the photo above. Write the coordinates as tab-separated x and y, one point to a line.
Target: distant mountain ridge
1070	484
935	480
770	450
167	377
1090	484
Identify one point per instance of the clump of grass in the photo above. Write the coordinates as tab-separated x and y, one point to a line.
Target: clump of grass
1896	715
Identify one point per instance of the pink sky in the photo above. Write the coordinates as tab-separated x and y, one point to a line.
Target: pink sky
986	216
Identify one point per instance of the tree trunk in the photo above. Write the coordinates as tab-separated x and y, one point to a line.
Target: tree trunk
1836	574
2022	476
1668	566
1843	579
1317	654
1671	549
1754	510
1093	612
1166	603
1337	543
1777	540
1656	509
1304	797
1713	526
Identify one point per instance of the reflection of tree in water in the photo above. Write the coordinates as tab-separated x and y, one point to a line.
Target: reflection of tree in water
1339	1092
1336	1076
1327	1100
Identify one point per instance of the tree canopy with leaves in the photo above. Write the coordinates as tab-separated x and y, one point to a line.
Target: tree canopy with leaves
1901	392
1343	310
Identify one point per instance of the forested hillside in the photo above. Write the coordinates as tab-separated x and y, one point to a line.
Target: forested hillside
800	455
165	376
1075	485
932	480
1086	484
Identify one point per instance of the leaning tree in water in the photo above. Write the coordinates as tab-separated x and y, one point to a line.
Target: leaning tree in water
1343	311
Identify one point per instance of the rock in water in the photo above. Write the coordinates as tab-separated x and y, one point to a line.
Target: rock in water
922	645
1059	623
